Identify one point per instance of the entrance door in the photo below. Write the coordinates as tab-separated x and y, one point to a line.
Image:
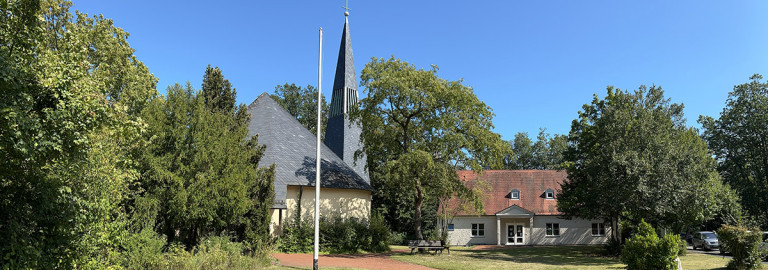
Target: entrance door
515	234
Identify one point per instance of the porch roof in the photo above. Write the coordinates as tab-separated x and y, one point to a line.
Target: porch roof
514	211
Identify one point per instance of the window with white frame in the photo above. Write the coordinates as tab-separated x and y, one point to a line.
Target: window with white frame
598	229
553	229
514	194
478	229
549	194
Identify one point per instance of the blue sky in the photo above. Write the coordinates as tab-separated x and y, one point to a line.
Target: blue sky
534	62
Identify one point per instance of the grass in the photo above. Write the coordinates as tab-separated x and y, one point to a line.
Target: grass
550	257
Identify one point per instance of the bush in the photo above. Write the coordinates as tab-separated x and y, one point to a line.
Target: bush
379	234
683	248
143	250
613	247
297	237
645	250
744	245
397	238
336	236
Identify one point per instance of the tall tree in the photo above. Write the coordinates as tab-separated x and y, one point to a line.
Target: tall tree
739	140
302	104
545	154
217	91
630	156
413	120
202	169
70	89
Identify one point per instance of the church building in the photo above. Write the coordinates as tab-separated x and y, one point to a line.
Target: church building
345	187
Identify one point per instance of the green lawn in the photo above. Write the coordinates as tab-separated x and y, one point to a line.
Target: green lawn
553	257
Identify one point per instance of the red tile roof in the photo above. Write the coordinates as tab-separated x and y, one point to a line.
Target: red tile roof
532	185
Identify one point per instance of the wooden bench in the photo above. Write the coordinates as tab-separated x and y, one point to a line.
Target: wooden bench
435	245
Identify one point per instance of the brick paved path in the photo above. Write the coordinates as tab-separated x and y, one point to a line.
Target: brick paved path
364	261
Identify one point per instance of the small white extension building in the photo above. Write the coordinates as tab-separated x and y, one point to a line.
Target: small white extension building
521	209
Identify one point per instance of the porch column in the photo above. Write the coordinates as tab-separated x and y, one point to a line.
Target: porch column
530	231
498	231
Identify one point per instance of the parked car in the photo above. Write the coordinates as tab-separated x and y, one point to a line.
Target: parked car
705	240
764	246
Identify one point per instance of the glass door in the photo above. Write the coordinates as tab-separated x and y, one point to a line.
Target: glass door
515	234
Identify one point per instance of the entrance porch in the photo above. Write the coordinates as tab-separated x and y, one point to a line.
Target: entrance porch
513	226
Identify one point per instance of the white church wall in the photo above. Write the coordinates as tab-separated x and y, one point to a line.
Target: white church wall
344	203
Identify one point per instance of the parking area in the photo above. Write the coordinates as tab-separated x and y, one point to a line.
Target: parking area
713	252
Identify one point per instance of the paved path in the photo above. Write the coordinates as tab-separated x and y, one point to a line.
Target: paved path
714	252
364	261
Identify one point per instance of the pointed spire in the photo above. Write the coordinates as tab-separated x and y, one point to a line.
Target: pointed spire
342	136
345	82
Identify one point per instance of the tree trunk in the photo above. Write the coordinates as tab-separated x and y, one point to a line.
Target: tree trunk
616	228
417	215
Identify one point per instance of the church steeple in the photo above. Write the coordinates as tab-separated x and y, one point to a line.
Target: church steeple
345	82
342	136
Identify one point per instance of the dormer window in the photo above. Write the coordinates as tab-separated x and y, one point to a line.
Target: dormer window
549	194
514	194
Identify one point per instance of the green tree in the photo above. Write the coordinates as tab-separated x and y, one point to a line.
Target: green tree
545	154
202	169
217	91
630	156
302	104
413	120
739	140
70	87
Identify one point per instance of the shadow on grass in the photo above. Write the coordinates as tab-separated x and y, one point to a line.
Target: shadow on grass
549	255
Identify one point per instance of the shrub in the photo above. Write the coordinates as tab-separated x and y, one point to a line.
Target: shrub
297	237
744	245
683	248
397	238
337	235
645	250
143	250
379	234
613	247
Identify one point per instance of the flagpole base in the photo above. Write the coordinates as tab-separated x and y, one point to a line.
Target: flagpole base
314	264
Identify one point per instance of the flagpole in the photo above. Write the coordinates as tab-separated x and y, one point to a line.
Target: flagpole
317	164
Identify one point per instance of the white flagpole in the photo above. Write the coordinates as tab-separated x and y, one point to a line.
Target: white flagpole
317	165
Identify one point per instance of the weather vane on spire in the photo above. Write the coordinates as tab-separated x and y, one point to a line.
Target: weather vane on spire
346	9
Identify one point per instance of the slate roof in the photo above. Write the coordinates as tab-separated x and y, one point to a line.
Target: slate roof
292	148
532	185
345	79
341	135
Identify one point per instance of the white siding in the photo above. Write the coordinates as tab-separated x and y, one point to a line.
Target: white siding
462	231
572	232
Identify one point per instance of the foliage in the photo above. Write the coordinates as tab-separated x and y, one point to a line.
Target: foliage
744	245
216	252
739	140
545	154
398	238
202	169
143	250
70	90
379	233
630	156
337	235
645	250
302	104
217	91
412	118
